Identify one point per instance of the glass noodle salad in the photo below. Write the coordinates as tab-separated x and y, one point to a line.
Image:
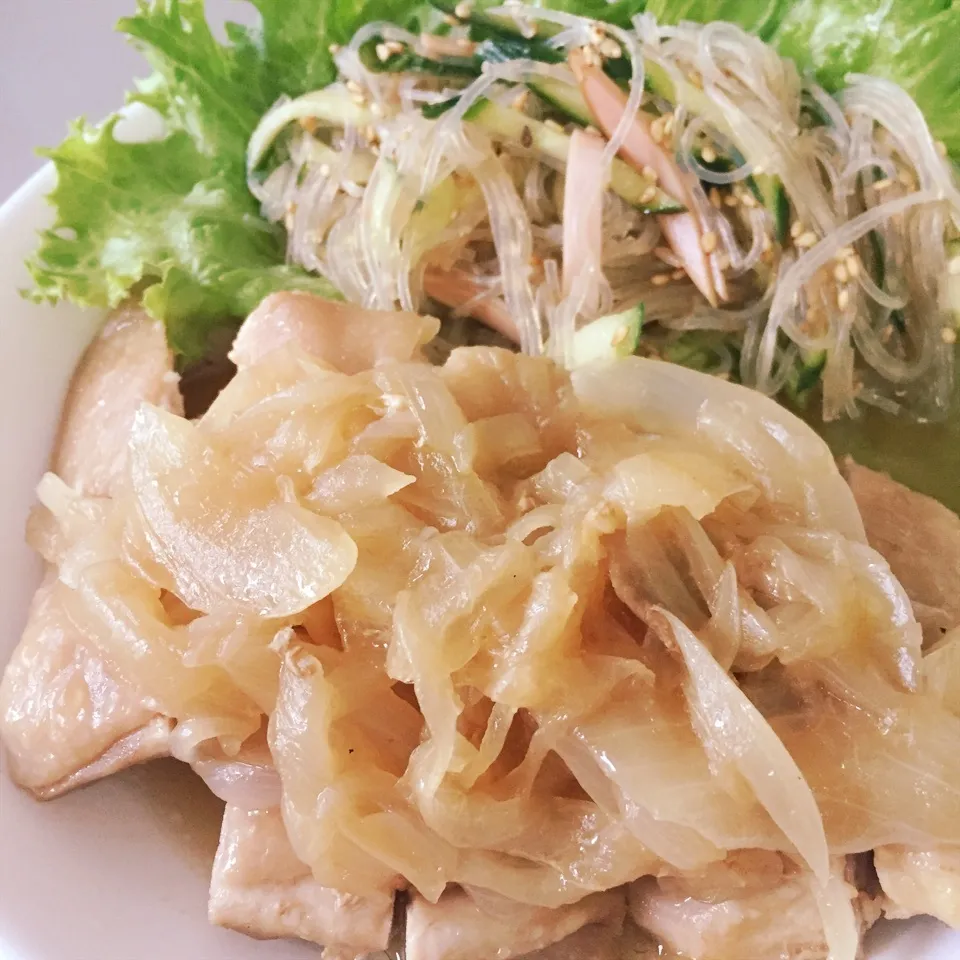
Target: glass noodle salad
564	181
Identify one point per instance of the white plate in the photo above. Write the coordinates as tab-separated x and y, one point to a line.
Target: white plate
119	871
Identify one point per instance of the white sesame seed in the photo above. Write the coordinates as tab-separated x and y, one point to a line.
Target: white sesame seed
334	48
611	49
709	154
880	185
463	9
383	52
758	171
649	195
324	169
678	274
748	199
843	299
948	335
840	273
731	200
656	130
660	279
353	86
852	264
708	242
650	173
796	228
808	239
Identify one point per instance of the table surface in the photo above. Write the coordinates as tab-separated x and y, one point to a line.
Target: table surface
61	59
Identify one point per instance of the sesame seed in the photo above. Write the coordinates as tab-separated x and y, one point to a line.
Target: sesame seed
708	242
353	86
611	49
678	274
650	173
853	267
941	148
748	199
709	155
334	48
808	239
383	52
716	201
394	46
451	21
463	9
731	200
656	130
840	273
597	34
880	185
843	299
660	279
953	267
359	99
948	335
324	169
590	56
843	253
758	171
796	228
648	195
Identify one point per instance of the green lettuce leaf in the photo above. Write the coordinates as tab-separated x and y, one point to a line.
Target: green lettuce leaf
757	16
172	219
912	42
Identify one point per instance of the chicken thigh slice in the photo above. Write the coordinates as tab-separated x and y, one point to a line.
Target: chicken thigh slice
920	539
457	928
260	888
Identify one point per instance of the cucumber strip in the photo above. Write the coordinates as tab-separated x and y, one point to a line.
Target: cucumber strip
774	198
565	98
478	17
332	107
502	123
610	337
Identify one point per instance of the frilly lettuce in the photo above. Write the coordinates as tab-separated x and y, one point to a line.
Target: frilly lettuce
172	219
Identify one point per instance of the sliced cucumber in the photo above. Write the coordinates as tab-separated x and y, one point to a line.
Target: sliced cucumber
564	98
502	123
616	335
478	17
771	193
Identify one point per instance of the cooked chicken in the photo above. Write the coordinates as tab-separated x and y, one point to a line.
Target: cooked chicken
920	882
594	942
918	537
457	928
730	919
260	888
65	718
128	363
347	337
